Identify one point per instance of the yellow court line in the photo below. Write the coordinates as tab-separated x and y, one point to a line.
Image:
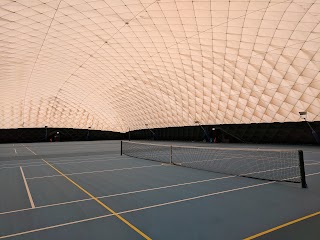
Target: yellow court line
282	226
101	203
27	188
96	199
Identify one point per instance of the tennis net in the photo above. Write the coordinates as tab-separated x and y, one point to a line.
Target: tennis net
266	164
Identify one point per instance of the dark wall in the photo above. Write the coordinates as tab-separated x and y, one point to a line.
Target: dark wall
189	133
65	134
293	133
290	133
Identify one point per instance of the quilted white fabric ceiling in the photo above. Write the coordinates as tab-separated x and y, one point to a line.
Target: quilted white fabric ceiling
120	64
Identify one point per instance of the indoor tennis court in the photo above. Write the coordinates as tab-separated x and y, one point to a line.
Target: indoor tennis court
160	119
87	190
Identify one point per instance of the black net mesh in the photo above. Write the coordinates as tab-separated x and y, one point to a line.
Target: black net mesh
277	165
266	164
159	153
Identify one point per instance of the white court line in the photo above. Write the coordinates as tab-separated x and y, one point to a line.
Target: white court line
97	160
15	165
55	226
127	193
65	159
306	151
27	188
193	198
135	210
310	164
213	160
40	154
120	194
119	169
312	174
30	150
102	157
312	161
164	187
98	171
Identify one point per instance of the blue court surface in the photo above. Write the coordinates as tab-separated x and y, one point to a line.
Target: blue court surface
87	190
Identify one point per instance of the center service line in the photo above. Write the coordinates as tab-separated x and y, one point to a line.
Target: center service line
96	199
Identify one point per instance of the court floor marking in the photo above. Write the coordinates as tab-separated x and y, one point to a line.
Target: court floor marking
15	165
311	151
136	210
312	174
282	226
73	145
119	194
157	165
98	171
55	226
310	164
39	162
64	159
197	197
95	158
150	189
101	203
98	201
311	161
30	150
27	188
127	193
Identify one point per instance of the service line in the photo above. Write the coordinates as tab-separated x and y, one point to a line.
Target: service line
156	165
130	192
123	193
40	162
137	209
98	171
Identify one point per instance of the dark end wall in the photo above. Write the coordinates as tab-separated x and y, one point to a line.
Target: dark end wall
279	133
65	134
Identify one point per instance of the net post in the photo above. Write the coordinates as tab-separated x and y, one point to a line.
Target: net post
170	154
302	171
121	149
